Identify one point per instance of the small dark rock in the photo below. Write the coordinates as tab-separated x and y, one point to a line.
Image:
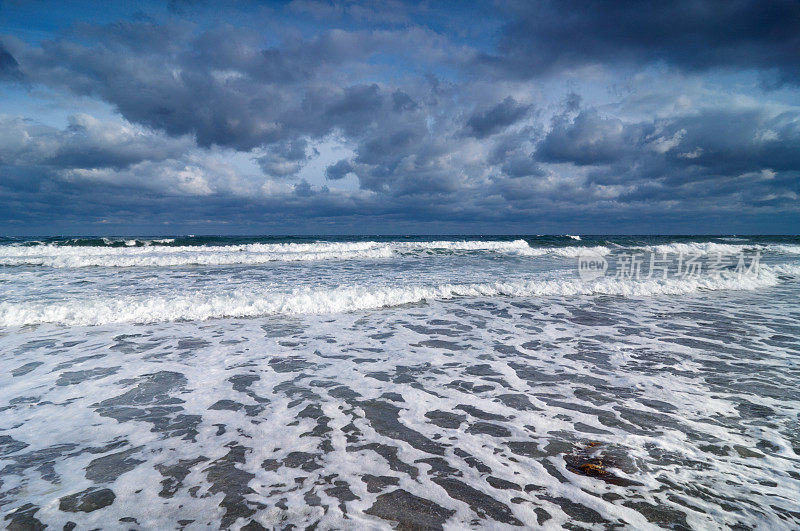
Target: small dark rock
22	519
409	511
87	501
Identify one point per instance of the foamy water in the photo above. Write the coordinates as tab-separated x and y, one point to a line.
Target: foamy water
367	382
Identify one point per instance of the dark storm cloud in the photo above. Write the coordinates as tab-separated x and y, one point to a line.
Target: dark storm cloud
521	166
694	35
286	158
403	102
86	143
227	91
251	96
7	62
355	109
721	141
508	112
588	139
729	155
429	132
9	68
339	170
738	141
513	153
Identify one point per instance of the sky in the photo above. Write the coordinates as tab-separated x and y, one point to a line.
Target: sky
313	117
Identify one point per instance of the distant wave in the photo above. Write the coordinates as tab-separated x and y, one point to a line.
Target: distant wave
242	303
69	257
132	254
254	253
103	242
711	248
65	256
792	270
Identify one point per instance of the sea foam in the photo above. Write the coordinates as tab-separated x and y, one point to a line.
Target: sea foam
67	256
157	253
262	302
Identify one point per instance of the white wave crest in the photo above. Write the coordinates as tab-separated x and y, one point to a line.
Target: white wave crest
785	249
62	256
463	245
695	248
154	253
69	257
565	252
201	306
712	248
792	270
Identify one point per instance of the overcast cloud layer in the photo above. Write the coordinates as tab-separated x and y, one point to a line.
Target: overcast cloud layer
312	117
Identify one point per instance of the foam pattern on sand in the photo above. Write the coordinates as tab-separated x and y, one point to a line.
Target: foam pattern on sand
477	412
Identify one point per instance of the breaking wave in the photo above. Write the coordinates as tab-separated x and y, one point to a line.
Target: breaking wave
712	248
161	253
66	256
241	303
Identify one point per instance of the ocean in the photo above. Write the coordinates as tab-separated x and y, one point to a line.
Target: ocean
410	382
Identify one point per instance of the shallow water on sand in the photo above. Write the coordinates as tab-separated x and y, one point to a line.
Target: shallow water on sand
495	410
